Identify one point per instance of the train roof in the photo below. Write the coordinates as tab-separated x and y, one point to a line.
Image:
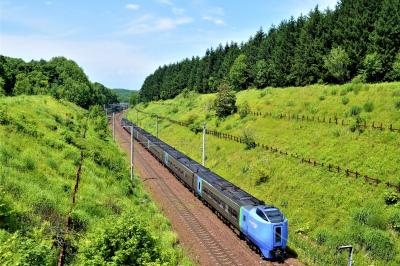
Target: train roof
236	194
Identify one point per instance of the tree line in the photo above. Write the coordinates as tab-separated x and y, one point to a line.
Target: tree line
359	38
59	77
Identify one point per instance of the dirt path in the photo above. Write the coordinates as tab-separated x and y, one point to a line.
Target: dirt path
207	240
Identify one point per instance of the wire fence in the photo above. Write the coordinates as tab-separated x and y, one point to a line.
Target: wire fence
322	119
252	144
328	120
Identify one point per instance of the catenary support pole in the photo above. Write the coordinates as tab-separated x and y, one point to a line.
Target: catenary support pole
204	145
350	249
132	153
113	125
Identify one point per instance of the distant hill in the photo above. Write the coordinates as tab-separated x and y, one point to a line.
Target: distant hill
123	95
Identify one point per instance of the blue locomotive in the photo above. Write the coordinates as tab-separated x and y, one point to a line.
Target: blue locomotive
264	227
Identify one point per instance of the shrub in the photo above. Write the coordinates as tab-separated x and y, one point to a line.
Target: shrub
395	73
394	221
368	107
333	92
262	179
124	242
337	63
343	92
29	163
4	118
248	139
379	245
29	249
355	110
358	124
371	217
373	67
262	94
225	103
396	93
321	98
397	105
321	235
191	118
345	100
174	109
391	197
244	109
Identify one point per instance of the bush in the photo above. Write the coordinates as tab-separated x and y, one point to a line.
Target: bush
368	107
225	103
379	244
124	242
370	217
244	109
248	139
321	235
321	98
394	221
262	179
345	100
355	110
397	105
337	63
373	67
391	198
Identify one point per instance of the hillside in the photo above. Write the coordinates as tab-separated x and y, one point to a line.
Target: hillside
123	95
357	38
53	153
325	209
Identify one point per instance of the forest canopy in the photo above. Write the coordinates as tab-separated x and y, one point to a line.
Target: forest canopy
59	77
357	38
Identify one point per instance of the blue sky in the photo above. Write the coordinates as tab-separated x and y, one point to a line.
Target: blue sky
119	42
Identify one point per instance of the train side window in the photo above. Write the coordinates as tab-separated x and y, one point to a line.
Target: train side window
199	185
244	218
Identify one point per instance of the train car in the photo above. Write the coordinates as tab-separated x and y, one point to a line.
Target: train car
261	225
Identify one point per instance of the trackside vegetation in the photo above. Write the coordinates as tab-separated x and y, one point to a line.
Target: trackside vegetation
113	221
325	209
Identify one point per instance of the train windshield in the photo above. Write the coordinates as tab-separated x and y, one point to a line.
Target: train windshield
274	215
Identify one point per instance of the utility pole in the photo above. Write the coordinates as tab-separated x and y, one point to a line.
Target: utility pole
157	126
132	153
204	144
113	125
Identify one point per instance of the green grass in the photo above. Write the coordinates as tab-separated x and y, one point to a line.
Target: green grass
323	207
41	140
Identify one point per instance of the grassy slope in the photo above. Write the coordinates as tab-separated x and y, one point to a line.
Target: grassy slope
324	209
39	152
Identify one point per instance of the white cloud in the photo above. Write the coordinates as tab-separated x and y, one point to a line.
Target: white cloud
132	6
216	21
178	11
150	23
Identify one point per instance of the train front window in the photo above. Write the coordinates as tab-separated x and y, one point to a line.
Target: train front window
261	214
275	216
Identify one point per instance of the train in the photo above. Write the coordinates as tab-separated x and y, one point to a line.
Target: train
264	227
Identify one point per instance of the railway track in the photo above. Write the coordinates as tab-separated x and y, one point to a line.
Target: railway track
219	254
215	246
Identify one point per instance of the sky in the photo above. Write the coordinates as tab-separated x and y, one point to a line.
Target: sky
120	42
